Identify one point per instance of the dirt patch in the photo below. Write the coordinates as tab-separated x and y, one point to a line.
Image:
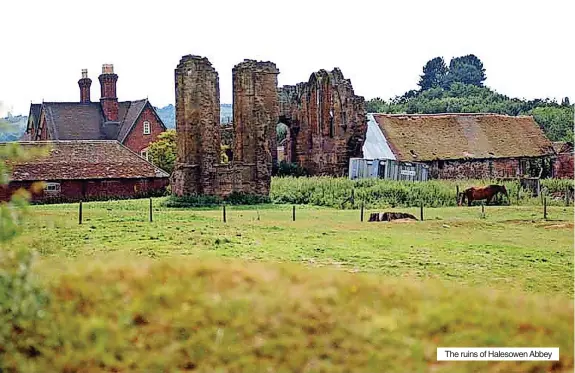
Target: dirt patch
559	226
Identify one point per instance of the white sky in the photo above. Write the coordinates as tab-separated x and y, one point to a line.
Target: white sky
526	46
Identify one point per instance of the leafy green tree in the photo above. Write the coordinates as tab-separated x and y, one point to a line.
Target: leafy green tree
22	300
556	122
434	73
465	69
163	151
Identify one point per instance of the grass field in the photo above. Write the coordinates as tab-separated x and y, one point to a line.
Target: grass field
134	296
512	248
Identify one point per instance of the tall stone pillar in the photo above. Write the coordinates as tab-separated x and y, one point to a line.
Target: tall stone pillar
197	127
256	115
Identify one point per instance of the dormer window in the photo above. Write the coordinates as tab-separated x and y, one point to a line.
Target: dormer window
146	128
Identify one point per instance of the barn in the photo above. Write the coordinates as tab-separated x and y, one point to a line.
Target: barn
563	168
459	146
84	170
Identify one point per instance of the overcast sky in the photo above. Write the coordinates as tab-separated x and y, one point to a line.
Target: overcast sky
526	46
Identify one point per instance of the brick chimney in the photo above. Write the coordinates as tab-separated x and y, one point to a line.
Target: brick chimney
108	97
85	84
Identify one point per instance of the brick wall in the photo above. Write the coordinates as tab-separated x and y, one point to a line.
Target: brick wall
76	190
563	167
483	169
136	140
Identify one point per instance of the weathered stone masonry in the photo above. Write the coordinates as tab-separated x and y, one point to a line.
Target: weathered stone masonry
327	123
198	169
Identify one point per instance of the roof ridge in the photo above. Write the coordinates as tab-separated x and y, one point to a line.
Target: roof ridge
447	114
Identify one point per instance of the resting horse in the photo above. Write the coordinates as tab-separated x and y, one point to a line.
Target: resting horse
487	193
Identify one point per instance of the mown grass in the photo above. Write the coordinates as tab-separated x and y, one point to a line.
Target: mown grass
511	248
188	292
141	315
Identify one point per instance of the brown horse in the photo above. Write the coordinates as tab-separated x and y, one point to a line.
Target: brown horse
477	194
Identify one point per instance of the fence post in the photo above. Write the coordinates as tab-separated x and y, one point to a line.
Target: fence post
482	210
421	211
151	218
361	211
567	197
545	207
293	213
224	212
80	213
457	194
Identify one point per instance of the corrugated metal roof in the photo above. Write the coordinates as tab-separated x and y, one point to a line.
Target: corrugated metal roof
375	145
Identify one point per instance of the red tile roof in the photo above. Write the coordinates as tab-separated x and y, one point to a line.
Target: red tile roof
89	159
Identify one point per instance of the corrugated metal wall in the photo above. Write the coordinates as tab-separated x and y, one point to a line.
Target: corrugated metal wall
360	168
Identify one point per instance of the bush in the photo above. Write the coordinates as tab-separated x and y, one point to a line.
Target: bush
377	193
290	169
234	198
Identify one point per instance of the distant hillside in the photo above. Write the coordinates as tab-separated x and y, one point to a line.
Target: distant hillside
168	114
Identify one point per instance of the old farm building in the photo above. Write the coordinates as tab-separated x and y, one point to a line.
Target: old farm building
134	124
85	170
462	145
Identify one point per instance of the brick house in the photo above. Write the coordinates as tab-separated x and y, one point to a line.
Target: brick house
458	146
85	170
563	167
134	124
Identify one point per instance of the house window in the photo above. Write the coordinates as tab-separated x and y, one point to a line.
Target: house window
146	128
52	188
144	154
440	164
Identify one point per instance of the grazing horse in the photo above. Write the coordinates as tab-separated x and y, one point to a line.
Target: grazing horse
487	193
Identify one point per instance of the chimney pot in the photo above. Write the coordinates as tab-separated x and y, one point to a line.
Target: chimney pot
107	68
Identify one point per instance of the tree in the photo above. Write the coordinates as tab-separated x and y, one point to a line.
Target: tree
162	152
465	69
434	73
565	102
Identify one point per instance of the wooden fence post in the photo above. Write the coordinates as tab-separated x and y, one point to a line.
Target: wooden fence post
482	210
80	213
421	211
293	213
224	212
151	218
361	219
545	207
457	194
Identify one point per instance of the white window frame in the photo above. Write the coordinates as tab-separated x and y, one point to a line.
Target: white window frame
147	128
144	154
52	188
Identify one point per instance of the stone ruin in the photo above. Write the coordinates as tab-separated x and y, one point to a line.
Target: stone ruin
326	121
198	170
